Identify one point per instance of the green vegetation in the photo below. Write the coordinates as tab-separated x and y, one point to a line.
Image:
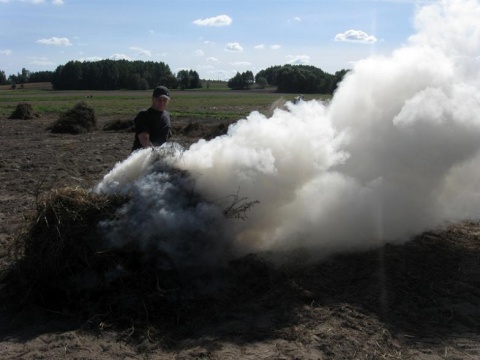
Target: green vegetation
242	81
114	75
300	79
200	104
107	75
141	75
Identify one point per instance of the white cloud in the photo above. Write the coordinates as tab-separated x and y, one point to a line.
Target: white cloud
91	58
6	52
208	42
177	70
141	52
297	19
55	41
205	67
27	1
221	20
54	2
234	47
220	74
241	63
298	59
212	59
356	36
273	47
42	62
198	53
119	57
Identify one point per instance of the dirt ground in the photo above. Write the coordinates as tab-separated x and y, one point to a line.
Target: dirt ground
417	301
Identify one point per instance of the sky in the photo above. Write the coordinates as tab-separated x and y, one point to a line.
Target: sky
216	38
395	152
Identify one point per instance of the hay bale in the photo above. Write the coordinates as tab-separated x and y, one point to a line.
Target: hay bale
78	120
120	125
23	111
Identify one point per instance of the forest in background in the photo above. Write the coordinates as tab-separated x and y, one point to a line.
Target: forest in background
143	75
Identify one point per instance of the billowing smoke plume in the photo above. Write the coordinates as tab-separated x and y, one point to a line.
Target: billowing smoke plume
166	217
394	153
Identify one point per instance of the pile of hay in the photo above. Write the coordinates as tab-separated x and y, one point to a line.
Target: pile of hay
198	130
23	111
193	128
120	125
78	120
219	130
64	262
62	255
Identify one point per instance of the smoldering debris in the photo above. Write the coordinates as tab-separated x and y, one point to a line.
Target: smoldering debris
90	252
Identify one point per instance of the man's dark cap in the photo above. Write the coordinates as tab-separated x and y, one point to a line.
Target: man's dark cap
161	91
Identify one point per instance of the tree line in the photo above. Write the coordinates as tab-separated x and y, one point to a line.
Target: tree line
143	75
290	79
108	75
121	74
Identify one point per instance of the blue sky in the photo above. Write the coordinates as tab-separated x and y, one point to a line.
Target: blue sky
216	38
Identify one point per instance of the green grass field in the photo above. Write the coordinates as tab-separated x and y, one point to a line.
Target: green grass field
216	102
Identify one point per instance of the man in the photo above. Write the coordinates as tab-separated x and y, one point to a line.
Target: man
152	126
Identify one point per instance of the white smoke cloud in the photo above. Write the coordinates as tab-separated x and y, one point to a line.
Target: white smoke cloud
394	153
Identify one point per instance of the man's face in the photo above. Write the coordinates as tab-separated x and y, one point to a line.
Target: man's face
160	102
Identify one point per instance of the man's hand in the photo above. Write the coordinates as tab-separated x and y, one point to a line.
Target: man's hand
144	138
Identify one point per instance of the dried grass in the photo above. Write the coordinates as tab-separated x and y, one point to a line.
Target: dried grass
78	120
23	111
63	262
119	125
61	253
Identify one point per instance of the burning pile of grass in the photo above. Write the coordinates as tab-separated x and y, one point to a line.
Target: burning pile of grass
23	111
61	254
65	263
78	120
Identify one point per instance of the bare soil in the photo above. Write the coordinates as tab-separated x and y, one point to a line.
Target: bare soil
416	301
